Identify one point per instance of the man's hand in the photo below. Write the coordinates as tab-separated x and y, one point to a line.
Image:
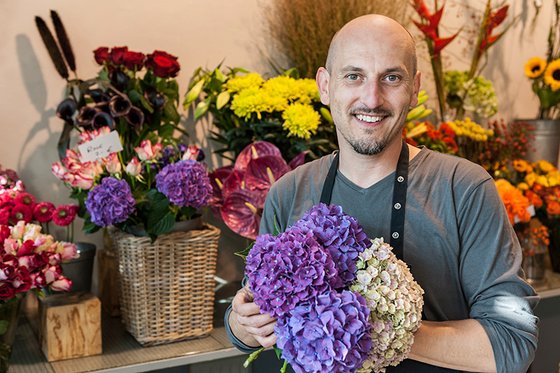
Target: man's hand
248	324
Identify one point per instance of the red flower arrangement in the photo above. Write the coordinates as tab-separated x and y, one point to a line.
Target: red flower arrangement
239	191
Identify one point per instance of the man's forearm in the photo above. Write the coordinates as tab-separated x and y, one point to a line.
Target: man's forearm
461	345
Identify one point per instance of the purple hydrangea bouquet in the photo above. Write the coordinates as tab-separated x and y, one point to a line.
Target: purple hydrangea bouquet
343	302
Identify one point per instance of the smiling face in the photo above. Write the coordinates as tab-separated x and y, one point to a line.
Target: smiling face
370	83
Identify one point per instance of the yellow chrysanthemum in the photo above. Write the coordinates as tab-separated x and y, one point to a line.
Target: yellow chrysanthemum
255	101
301	120
239	83
552	75
523	186
553	178
521	165
535	67
292	90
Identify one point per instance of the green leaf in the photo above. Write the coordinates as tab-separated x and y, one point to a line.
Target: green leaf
166	131
193	93
222	99
160	218
243	253
170	112
219	75
135	97
89	226
201	109
146	104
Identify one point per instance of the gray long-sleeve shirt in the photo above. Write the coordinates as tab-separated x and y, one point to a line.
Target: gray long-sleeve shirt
459	244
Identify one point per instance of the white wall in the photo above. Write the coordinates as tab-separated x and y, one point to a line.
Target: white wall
200	33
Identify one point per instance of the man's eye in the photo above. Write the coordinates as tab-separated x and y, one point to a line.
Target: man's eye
352	77
393	78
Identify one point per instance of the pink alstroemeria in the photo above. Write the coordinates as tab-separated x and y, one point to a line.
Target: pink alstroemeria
134	167
147	152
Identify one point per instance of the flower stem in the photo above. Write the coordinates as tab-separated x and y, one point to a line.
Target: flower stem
252	357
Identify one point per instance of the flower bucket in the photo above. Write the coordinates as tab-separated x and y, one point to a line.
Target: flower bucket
80	270
547	139
167	287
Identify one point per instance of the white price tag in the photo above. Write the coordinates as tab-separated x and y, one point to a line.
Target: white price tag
100	147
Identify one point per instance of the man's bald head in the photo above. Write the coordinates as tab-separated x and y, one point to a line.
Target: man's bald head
374	26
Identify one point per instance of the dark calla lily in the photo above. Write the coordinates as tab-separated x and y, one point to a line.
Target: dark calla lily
135	117
85	117
119	106
103	119
119	80
66	109
98	95
241	213
156	99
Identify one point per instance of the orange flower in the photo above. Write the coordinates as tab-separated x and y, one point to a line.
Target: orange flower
515	202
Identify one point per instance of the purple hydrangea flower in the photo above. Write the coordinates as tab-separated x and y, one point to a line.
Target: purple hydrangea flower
185	183
110	202
341	234
332	334
287	270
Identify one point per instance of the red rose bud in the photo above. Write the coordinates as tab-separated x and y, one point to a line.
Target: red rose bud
101	55
163	64
117	55
133	60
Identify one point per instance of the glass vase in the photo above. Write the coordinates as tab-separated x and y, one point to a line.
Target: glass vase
9	312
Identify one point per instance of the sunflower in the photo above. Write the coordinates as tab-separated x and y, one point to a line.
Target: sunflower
552	75
535	67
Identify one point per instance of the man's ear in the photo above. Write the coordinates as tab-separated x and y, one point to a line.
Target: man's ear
415	89
322	78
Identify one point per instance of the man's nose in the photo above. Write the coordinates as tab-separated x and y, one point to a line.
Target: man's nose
372	95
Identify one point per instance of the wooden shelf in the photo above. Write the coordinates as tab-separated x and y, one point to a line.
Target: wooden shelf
121	352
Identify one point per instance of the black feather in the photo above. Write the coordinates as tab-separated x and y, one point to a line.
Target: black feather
52	48
63	41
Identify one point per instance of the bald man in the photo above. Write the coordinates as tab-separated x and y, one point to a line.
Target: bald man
456	236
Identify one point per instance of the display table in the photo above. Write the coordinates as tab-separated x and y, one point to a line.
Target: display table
121	352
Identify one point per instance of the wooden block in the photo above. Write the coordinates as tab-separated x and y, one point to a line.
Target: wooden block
70	326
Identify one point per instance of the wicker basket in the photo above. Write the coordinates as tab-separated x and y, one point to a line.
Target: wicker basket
167	287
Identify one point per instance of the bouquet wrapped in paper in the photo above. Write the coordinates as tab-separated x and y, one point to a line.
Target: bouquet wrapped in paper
344	303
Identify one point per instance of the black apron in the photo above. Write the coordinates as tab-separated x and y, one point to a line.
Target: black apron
400	187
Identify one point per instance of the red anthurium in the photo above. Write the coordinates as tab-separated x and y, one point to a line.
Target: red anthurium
241	213
217	178
264	171
255	150
297	161
235	181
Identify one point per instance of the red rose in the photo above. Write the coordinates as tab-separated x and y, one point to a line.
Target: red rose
117	55
6	291
101	55
133	60
163	64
